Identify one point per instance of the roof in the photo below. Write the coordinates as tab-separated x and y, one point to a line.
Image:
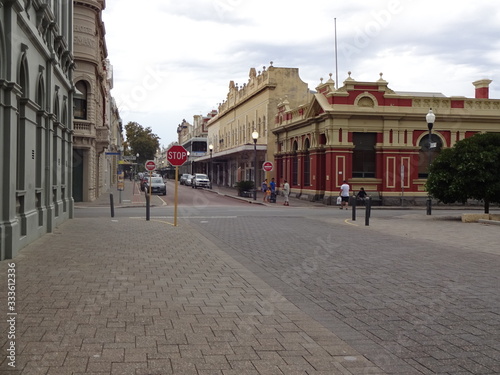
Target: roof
421	94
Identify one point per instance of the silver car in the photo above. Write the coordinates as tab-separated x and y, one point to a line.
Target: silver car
200	180
157	186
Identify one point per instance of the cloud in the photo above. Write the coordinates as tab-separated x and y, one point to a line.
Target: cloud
173	60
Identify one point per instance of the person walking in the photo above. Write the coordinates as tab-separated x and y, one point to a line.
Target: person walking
263	187
344	194
286	193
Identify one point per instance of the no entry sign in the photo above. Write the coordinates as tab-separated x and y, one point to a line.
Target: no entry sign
150	165
267	166
177	155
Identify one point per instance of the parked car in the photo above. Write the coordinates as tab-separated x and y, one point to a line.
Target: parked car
144	179
158	186
200	180
189	180
183	178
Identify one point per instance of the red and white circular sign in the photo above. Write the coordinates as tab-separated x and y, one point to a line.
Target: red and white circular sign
267	166
177	155
150	165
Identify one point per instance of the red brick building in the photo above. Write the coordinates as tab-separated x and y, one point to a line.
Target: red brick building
373	137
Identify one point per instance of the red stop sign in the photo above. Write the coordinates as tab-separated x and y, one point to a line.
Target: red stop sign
177	155
267	166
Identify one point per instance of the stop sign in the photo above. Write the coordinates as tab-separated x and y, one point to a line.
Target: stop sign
267	166
177	155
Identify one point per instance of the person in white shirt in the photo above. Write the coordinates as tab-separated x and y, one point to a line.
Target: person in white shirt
344	194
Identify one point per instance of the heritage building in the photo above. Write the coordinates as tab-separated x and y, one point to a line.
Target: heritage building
250	108
36	96
97	126
373	137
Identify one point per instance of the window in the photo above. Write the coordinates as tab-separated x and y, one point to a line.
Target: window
307	164
80	101
428	152
295	165
363	156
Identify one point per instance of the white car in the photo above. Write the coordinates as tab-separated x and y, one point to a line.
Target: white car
200	180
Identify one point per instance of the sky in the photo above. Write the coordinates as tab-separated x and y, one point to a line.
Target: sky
173	60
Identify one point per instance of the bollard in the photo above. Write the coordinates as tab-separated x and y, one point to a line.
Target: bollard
111	205
147	207
353	201
368	210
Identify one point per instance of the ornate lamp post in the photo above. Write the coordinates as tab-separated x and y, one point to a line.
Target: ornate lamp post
430	118
255	136
211	148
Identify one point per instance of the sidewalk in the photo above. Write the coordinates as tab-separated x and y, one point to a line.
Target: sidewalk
127	296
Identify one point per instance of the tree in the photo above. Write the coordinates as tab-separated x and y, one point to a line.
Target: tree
468	170
141	141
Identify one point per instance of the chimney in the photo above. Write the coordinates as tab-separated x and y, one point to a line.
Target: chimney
482	88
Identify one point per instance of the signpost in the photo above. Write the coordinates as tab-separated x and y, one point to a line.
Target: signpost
176	156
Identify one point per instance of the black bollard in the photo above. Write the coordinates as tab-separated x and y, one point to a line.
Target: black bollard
368	210
111	205
147	207
353	201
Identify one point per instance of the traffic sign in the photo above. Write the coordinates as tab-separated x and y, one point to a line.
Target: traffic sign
177	155
150	165
267	166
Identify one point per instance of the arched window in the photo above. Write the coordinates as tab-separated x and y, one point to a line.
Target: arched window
429	150
80	101
307	164
295	165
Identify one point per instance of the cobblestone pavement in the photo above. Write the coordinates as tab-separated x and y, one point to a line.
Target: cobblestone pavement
125	296
414	294
309	294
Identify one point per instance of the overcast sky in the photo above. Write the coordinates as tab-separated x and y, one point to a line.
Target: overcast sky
174	59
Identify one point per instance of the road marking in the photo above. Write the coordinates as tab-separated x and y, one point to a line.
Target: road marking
347	222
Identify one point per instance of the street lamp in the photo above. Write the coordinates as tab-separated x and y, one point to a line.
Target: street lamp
430	118
211	148
255	135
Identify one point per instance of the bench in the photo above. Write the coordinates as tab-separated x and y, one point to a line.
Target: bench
375	196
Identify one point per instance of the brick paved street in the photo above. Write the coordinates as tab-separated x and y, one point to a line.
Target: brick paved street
300	291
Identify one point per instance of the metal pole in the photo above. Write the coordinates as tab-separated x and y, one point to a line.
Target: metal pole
368	209
255	169
353	205
147	207
429	201
111	204
176	182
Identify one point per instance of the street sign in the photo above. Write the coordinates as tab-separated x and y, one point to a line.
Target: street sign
129	157
267	166
177	155
150	165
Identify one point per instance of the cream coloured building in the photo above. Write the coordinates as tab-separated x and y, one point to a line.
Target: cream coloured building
247	108
98	128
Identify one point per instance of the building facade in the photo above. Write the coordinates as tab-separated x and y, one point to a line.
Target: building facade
36	95
97	126
249	108
373	137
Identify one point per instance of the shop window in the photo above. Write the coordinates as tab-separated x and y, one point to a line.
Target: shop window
363	156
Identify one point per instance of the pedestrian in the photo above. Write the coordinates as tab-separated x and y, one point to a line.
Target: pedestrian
263	188
272	185
344	194
362	196
268	194
286	193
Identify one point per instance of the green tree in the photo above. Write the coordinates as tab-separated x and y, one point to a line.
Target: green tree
141	141
468	170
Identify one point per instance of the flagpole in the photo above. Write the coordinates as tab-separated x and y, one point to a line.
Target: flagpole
336	62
